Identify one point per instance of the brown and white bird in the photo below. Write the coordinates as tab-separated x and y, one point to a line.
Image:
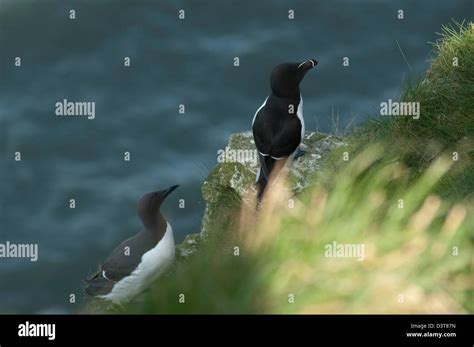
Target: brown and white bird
137	261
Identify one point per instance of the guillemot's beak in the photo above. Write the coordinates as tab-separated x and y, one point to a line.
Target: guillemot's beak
308	64
169	191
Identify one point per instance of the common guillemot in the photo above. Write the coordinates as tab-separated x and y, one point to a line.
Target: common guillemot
137	261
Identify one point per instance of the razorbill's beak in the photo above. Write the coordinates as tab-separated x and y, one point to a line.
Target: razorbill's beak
308	64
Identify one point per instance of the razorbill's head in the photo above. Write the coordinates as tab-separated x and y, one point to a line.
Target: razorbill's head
149	206
285	79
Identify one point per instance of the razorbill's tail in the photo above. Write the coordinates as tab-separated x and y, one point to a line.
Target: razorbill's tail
268	169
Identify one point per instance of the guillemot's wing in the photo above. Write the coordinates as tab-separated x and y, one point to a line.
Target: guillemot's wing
127	256
98	285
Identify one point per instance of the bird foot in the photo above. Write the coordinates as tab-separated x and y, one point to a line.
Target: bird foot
298	153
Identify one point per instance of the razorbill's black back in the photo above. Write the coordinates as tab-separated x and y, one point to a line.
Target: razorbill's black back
137	261
278	125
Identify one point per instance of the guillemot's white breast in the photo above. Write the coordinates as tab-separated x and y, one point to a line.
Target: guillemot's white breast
153	263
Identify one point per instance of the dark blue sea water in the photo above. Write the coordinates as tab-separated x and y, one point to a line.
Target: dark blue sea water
173	62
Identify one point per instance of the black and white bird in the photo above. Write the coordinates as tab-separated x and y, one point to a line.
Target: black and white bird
278	125
139	260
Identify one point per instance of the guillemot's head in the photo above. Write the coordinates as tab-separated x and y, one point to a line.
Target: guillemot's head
285	78
149	206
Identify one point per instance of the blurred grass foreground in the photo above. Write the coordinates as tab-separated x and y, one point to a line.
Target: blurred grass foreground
386	227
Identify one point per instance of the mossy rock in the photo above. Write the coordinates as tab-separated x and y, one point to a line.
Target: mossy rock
188	247
230	179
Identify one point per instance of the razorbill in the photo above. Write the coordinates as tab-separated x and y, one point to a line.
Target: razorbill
278	125
137	261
